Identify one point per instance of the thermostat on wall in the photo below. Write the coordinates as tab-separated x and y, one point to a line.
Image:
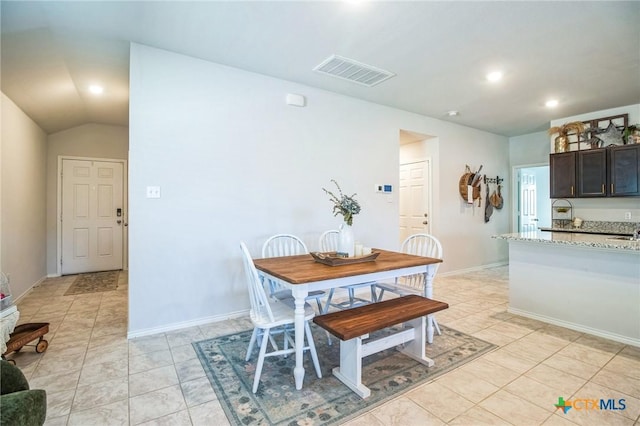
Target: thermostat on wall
386	189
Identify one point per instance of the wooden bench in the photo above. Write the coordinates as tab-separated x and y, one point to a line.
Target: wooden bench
354	325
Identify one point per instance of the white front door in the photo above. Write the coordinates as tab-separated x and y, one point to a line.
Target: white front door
92	216
527	218
414	199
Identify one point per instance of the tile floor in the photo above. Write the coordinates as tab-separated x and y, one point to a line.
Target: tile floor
94	376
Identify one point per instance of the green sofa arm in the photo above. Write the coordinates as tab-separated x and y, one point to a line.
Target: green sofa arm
23	408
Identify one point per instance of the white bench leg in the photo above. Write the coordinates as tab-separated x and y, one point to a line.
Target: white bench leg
350	370
416	348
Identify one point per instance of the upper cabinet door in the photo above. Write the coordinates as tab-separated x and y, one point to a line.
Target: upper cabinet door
592	173
624	171
562	169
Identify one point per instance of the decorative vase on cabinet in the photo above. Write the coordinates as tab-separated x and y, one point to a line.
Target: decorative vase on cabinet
346	241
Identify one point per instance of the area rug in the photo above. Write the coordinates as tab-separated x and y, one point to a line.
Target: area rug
94	282
321	401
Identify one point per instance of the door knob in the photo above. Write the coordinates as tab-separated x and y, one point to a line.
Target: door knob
426	214
425	222
118	221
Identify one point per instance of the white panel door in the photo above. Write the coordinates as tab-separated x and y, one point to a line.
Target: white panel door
92	216
414	199
528	219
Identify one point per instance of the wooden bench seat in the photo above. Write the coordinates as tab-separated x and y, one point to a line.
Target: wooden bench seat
354	325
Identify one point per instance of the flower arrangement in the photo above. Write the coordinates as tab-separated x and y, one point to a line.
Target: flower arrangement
346	205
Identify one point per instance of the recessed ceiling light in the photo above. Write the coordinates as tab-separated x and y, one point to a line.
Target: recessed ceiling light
453	113
95	89
494	76
551	103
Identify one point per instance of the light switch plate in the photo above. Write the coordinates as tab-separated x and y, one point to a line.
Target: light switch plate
153	192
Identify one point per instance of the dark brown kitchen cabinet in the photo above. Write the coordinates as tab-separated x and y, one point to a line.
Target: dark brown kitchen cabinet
624	171
562	174
591	180
604	172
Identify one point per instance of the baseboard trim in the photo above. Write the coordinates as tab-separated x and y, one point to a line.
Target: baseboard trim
473	269
186	324
577	327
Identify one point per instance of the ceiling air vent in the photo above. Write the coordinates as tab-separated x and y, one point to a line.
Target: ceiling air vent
357	72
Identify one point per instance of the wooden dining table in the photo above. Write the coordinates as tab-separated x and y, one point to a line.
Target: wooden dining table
303	274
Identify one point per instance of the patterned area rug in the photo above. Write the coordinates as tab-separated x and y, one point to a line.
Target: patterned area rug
326	400
94	282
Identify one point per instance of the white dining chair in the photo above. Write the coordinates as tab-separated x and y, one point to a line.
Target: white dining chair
328	242
419	245
288	245
271	318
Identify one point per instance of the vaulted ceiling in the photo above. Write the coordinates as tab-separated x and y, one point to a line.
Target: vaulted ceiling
585	54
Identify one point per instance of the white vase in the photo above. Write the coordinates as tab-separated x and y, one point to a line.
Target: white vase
346	242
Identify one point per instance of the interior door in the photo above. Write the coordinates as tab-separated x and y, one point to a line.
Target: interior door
414	199
527	217
92	216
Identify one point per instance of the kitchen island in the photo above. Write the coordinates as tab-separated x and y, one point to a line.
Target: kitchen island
585	282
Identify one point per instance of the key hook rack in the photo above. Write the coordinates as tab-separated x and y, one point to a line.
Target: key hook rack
498	180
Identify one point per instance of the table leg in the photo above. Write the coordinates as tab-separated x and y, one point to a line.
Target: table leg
428	293
298	371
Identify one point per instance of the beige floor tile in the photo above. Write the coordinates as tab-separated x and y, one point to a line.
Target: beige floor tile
184	336
528	350
59	403
602	344
558	420
189	370
478	416
557	379
154	343
364	420
56	421
151	380
181	418
494	337
197	391
506	359
596	417
490	372
625	365
611	380
466	384
56	382
511	330
102	372
571	366
112	414
535	392
440	401
156	404
207	414
102	393
514	409
587	355
149	361
632	405
403	411
183	353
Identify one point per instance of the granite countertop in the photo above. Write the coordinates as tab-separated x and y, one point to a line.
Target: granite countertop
583	231
573	239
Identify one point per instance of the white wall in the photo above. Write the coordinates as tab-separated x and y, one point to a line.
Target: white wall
529	149
89	140
234	162
23	182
